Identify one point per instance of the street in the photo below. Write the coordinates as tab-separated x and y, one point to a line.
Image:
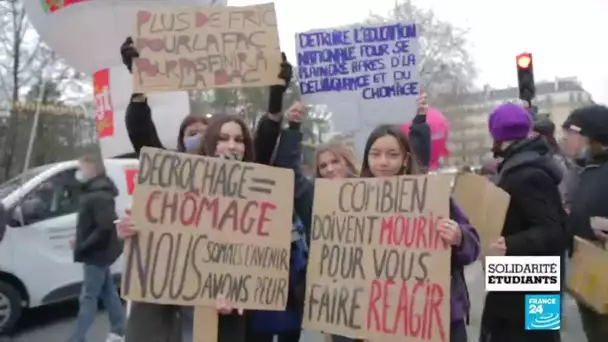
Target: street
54	324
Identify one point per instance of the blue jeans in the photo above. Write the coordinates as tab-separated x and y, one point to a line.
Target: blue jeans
98	284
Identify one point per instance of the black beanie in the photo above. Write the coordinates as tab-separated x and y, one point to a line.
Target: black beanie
591	122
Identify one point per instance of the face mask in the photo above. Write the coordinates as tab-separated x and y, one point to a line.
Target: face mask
229	157
80	176
192	142
497	151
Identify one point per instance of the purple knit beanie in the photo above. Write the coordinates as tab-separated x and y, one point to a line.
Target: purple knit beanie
509	122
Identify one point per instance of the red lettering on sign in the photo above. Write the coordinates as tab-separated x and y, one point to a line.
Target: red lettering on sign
415	232
415	315
189	208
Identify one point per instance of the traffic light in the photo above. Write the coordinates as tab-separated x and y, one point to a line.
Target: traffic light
525	76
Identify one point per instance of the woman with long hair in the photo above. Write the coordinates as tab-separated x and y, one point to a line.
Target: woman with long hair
388	152
166	323
334	159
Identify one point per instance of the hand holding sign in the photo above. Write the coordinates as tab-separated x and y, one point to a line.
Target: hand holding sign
499	247
223	307
600	227
450	232
128	52
125	227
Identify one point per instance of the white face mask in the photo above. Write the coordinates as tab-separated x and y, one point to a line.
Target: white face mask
80	176
192	142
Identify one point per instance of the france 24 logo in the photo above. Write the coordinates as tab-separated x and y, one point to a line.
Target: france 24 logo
543	312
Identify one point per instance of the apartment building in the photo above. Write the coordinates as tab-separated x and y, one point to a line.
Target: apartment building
469	138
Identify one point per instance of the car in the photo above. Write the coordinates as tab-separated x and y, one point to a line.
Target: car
38	213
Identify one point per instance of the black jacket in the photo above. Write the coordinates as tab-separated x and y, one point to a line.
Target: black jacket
96	240
535	220
590	198
150	322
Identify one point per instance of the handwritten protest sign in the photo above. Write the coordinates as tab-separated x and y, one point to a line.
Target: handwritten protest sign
206	48
484	204
588	280
208	226
377	268
366	74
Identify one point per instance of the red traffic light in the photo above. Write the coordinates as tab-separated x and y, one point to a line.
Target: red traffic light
524	60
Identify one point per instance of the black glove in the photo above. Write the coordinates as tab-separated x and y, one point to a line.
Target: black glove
128	52
275	100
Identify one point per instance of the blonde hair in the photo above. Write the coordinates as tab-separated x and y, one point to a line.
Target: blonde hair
341	150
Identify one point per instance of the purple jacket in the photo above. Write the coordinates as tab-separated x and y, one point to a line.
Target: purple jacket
463	255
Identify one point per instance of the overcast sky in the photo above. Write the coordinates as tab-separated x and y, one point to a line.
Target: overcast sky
566	38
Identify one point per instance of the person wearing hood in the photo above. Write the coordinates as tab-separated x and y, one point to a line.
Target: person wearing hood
534	223
97	247
546	129
588	126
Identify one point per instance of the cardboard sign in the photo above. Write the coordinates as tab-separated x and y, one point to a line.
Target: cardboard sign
208	226
485	205
360	69
377	268
588	279
206	48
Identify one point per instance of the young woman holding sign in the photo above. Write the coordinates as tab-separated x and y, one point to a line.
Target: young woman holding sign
388	152
335	160
225	137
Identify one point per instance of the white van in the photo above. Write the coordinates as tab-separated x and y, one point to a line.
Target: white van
37	224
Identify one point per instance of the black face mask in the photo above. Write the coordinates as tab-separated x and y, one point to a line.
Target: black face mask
497	151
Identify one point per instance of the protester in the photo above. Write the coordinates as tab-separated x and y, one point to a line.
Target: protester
534	224
587	129
388	153
97	247
287	325
191	132
546	129
334	159
174	323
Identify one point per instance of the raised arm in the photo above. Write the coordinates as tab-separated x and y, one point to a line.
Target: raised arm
269	127
138	118
420	134
289	155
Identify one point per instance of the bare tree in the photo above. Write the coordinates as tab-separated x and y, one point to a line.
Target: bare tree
23	60
446	65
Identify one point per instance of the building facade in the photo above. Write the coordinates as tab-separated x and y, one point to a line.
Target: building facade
469	137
